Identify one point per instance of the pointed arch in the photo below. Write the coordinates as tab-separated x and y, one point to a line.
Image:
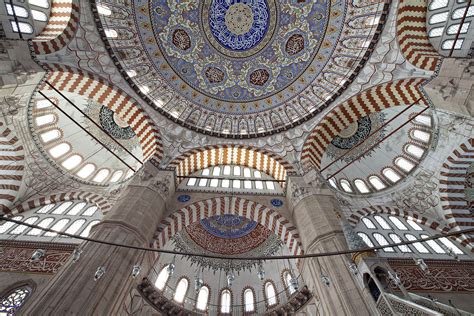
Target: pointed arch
12	159
77	81
209	156
263	215
62	25
89	197
375	99
412	34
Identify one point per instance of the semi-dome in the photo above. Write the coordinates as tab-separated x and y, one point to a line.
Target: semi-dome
239	68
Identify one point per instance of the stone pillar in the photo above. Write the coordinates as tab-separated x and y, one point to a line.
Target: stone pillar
132	220
314	214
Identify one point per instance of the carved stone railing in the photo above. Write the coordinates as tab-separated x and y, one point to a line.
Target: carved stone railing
389	304
162	302
436	306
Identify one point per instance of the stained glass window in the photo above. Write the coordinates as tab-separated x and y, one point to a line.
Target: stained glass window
10	304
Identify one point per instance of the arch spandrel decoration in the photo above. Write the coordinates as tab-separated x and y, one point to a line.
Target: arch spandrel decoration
90	86
11	167
356	216
210	156
263	215
375	99
457	189
62	25
412	35
89	197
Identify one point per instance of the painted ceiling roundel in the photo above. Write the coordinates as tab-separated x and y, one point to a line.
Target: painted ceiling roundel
231	66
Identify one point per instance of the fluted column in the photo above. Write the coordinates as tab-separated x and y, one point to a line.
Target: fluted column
314	214
132	220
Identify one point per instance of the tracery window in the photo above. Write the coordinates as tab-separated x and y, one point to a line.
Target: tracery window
270	294
398	223
249	300
368	223
396	239
382	242
181	290
382	222
202	298
366	239
226	301
10	303
162	278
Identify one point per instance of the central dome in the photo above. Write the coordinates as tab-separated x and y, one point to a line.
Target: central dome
241	68
235	54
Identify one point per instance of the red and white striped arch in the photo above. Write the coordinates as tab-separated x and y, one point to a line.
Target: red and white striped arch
357	215
375	99
263	215
453	184
89	197
412	34
209	156
95	88
12	160
62	24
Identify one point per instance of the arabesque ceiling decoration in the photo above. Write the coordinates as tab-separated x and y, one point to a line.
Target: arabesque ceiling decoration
240	68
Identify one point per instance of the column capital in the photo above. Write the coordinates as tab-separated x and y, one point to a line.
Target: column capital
158	180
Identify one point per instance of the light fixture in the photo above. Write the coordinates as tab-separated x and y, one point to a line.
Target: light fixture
353	268
99	273
171	268
294	283
395	278
38	254
260	272
325	280
198	283
76	254
422	265
230	279
135	270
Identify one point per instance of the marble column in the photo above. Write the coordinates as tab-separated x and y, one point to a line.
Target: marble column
314	214
132	220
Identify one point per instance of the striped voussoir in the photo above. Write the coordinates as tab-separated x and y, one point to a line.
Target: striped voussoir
356	216
88	197
412	34
375	99
92	87
453	185
12	159
263	215
197	159
62	24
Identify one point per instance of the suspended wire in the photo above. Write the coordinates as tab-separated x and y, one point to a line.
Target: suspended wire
303	256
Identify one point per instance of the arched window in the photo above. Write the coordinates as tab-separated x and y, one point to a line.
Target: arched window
226	301
45	119
21	228
116	176
58	226
422	136
181	290
391	175
202	298
368	223
438	4
43	224
418	246
11	302
414	225
404	164
448	244
345	185
90	211
216	171
270	294
62	208
361	186
111	33
40	3
72	162
249	300
39	16
396	239
76	209
22	27
366	239
288	278
439	17
103	10
415	151
433	244
382	222
86	171
376	183
60	150
397	222
45	209
74	228
7	225
162	278
101	175
423	120
51	135
382	242
85	232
